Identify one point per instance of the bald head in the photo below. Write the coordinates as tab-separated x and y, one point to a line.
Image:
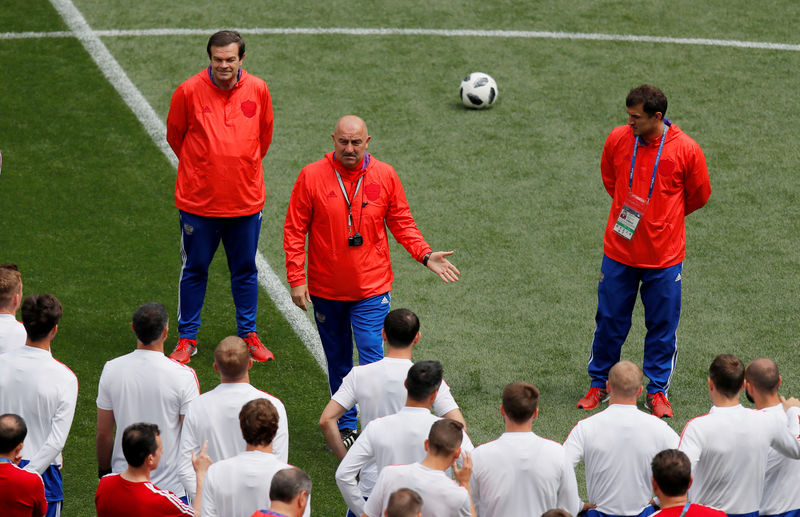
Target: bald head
350	141
763	375
232	358
625	380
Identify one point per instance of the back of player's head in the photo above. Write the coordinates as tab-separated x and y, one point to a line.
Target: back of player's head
625	379
232	358
223	39
556	512
520	400
445	437
289	483
763	374
138	442
10	284
12	432
652	98
401	327
40	313
149	322
423	379
404	503
258	420
727	374
672	471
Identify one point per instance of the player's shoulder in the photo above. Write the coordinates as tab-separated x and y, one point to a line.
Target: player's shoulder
620	134
21	477
379	167
66	371
253	81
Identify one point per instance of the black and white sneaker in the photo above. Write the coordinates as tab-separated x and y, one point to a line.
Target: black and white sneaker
348	438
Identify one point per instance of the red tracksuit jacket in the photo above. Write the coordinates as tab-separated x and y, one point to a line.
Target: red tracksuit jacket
318	208
220	138
681	187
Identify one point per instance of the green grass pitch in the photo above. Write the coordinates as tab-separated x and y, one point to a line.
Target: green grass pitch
88	214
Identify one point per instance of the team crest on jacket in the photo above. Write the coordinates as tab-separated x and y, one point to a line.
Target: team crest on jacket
249	109
320	316
188	228
373	191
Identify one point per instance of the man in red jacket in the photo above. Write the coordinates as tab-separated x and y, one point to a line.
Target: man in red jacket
656	175
344	203
220	127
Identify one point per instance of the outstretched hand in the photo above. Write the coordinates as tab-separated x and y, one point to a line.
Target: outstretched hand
439	264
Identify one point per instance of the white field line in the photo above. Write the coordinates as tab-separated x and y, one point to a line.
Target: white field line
157	130
427	32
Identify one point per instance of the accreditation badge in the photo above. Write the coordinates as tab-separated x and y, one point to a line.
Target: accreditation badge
632	212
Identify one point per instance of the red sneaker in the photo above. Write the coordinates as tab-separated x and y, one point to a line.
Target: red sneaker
258	351
658	404
184	350
592	399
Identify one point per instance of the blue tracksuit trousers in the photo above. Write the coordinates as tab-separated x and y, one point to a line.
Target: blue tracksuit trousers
616	294
200	238
339	322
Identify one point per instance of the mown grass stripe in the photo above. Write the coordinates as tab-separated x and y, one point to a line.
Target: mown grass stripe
389	31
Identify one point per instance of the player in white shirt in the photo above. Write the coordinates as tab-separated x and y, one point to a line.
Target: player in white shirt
397	438
35	386
728	447
781	495
442	496
521	473
214	415
617	446
145	386
12	332
239	486
379	388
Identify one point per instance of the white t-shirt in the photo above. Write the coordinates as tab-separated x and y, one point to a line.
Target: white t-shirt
12	333
441	496
397	439
379	390
522	474
728	448
617	446
147	386
239	486
43	391
214	416
781	493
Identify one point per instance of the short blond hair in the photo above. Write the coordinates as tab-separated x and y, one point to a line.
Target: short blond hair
625	379
232	358
10	284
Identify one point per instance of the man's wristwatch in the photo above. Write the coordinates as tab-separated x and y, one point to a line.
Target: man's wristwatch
426	258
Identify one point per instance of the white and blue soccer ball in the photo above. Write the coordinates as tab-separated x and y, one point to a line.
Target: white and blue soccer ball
478	91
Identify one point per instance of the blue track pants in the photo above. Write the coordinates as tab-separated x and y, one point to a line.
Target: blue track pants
616	295
339	322
200	238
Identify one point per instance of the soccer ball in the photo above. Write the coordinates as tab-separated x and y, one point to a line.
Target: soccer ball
478	91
